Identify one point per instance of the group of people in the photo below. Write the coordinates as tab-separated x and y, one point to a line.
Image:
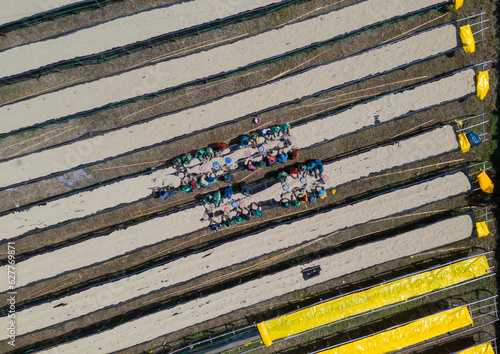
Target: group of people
242	215
312	168
203	155
297	198
270	160
271	133
217	198
203	181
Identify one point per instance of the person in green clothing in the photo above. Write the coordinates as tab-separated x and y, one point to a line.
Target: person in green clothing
217	198
238	219
255	209
285	203
194	184
302	169
186	159
275	131
200	154
208	199
285	128
253	139
295	202
185	188
209	153
177	162
226	221
282	176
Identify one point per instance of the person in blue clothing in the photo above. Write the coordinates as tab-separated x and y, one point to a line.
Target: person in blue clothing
318	168
312	198
228	193
164	194
212	178
228	178
320	192
244	141
282	158
214	226
244	189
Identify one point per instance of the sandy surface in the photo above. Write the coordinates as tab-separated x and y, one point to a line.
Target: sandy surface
324	129
386	108
121	32
229	108
263	289
267	241
348	169
111	195
19	9
179	71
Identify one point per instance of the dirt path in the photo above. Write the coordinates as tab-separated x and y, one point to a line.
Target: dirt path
230	108
19	9
361	116
122	32
263	289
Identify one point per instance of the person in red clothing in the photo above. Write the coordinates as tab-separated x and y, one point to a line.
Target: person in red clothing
294	154
251	166
294	172
221	146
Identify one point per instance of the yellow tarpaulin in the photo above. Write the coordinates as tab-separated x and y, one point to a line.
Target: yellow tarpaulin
463	142
467	38
458	4
371	299
482	229
485	182
485	348
483	84
408	335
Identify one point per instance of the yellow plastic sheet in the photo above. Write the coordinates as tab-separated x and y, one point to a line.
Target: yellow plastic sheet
458	4
468	42
482	229
483	84
408	335
463	142
485	182
371	299
485	348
